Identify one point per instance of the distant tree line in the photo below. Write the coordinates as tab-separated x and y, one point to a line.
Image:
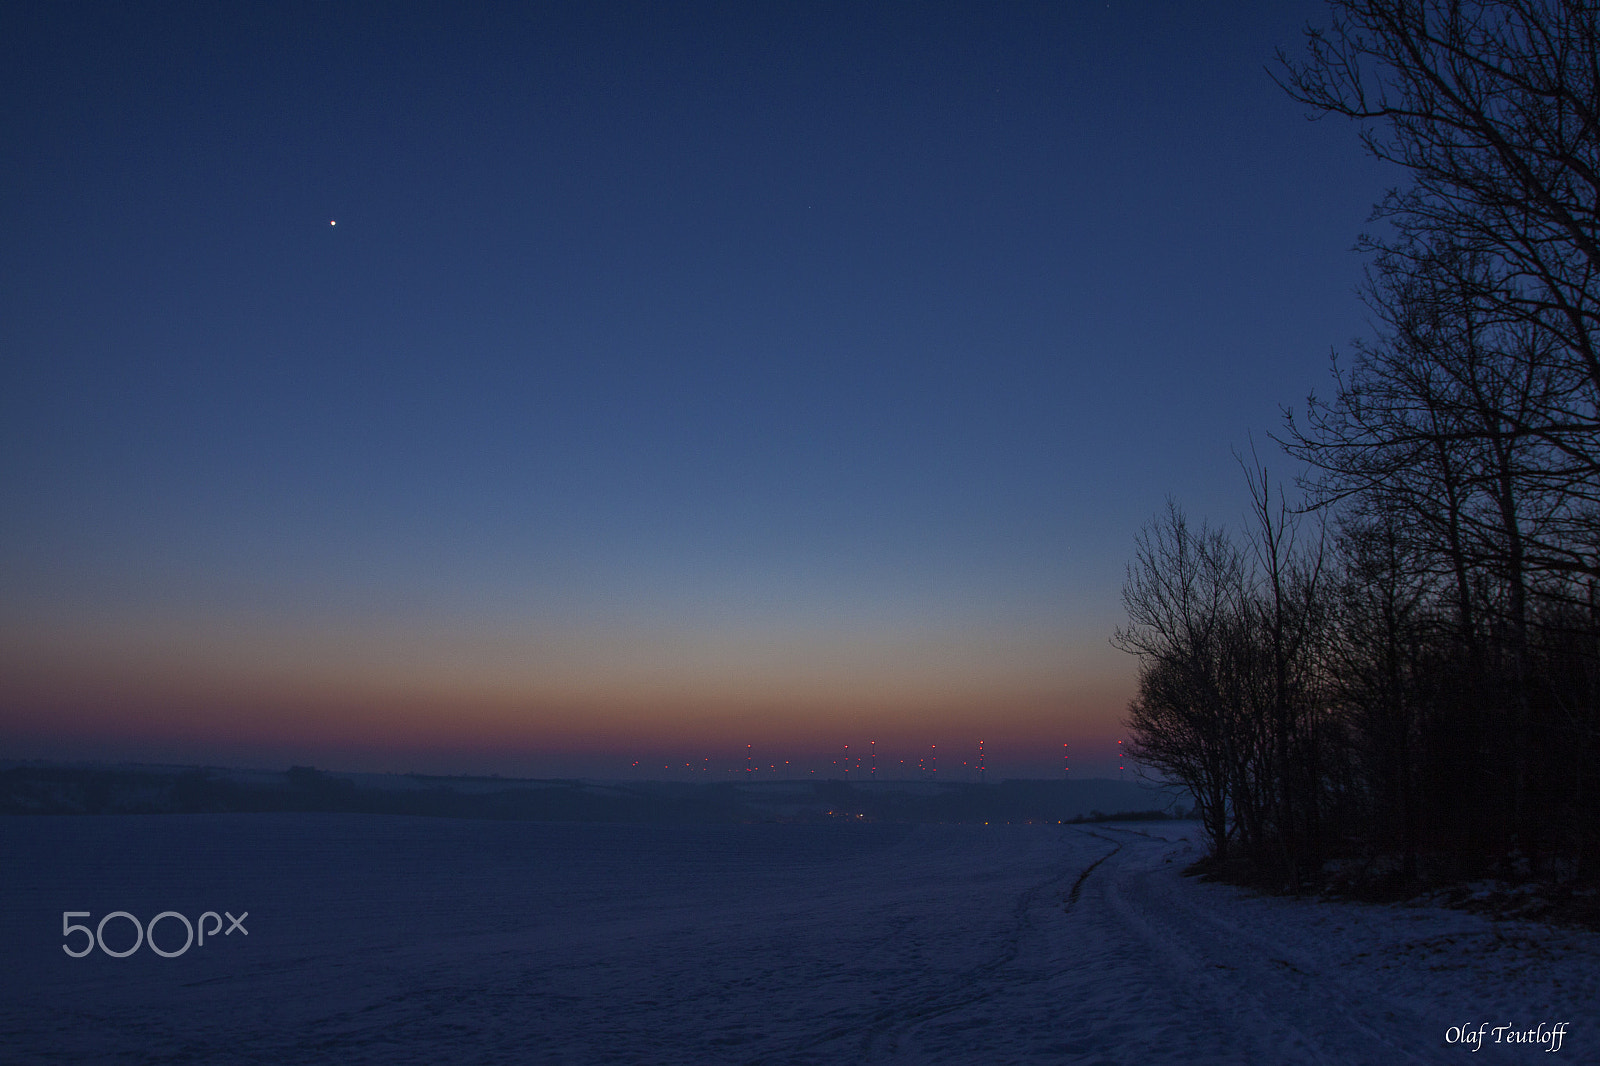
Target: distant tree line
38	788
1407	664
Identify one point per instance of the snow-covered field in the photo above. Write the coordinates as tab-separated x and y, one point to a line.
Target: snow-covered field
399	940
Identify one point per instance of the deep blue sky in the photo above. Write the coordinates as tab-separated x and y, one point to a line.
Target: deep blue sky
673	374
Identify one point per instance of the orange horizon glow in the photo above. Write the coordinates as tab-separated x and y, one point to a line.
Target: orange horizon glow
399	698
253	685
425	734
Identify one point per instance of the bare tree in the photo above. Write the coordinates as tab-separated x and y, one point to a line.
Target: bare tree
1494	110
1431	686
1469	432
1290	617
1181	595
1381	626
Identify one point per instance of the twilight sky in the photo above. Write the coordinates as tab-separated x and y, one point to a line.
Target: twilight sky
675	378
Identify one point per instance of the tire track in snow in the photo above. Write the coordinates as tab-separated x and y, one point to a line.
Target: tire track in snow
1136	969
1289	1002
882	1031
1077	886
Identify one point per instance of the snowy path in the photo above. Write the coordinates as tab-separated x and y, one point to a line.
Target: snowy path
431	940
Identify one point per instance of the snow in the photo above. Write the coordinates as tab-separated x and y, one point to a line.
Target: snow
420	940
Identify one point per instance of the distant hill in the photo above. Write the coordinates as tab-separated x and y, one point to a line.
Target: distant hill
61	789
